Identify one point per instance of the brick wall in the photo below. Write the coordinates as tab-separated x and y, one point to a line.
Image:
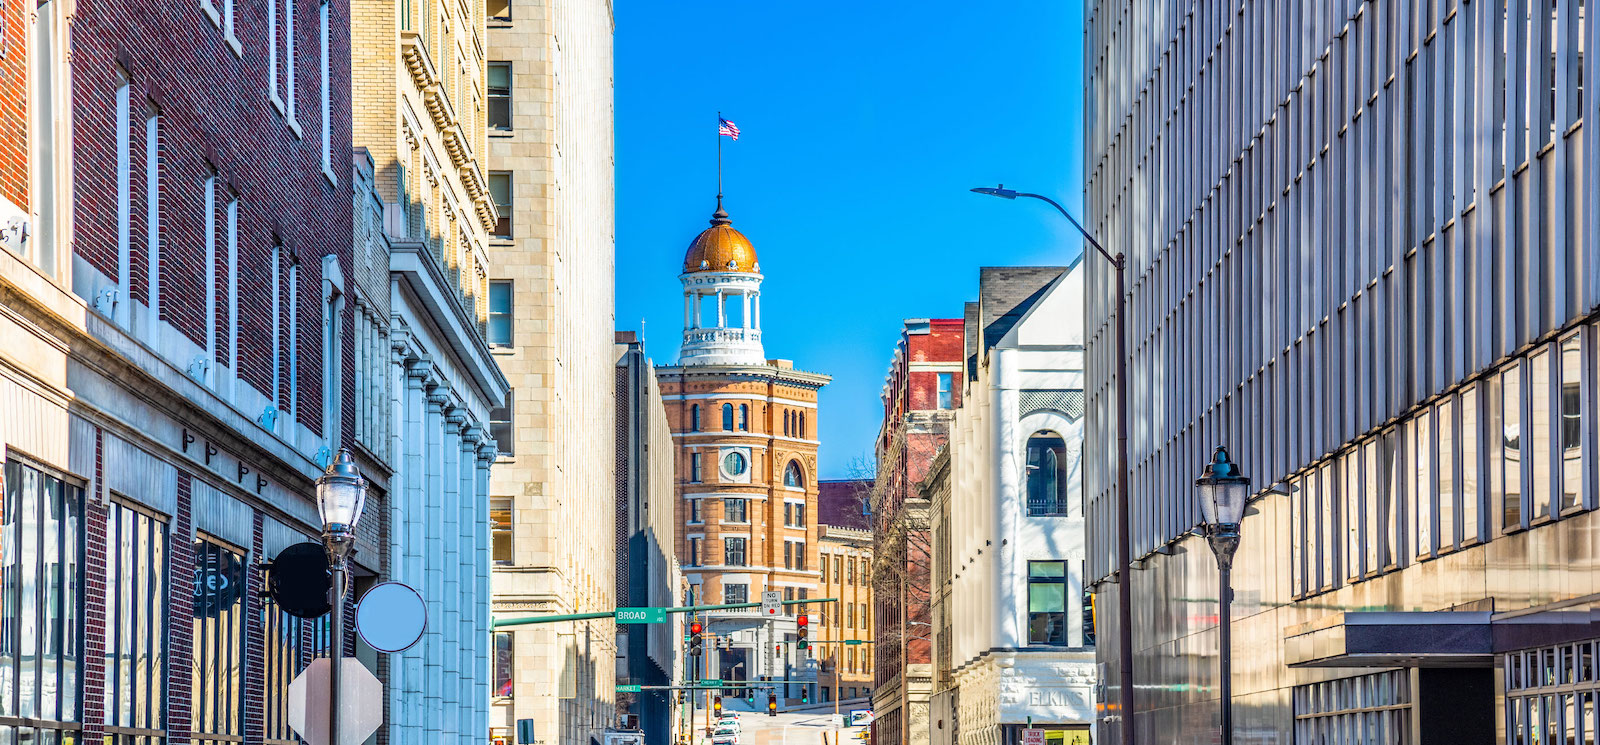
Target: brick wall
215	114
14	102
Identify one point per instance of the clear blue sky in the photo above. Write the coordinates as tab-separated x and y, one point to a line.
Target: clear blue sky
862	124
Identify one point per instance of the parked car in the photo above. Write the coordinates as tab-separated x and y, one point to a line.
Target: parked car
861	717
725	735
729	720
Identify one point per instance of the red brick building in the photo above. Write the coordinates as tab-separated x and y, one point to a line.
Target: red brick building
920	396
177	358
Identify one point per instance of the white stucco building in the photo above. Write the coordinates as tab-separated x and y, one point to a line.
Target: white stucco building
1009	549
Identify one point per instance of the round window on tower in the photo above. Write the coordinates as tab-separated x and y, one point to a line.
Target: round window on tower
735	463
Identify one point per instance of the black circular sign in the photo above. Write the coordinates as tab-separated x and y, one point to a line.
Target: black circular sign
218	579
298	580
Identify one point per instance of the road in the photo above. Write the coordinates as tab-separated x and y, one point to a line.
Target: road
804	728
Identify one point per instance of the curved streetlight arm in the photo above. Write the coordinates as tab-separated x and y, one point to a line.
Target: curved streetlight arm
1064	213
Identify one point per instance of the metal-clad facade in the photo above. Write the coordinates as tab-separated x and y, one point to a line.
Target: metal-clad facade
1361	247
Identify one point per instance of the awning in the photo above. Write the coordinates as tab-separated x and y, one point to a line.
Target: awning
1432	639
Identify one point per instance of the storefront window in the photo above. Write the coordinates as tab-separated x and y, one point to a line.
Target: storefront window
288	645
136	613
217	703
41	632
502	664
1047	602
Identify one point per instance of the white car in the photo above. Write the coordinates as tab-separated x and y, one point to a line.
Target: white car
725	735
861	717
729	720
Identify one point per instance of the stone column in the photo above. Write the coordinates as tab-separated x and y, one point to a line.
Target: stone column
433	570
406	406
722	312
485	672
449	537
474	510
757	324
691	319
745	296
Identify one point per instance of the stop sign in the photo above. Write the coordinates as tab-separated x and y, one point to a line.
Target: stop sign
360	702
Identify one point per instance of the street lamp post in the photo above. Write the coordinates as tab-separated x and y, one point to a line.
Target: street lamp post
341	494
1124	531
1223	490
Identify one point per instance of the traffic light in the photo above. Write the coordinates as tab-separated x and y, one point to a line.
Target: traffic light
805	694
695	640
750	695
772	704
716	705
803	622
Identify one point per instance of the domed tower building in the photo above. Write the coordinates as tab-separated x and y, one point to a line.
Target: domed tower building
746	430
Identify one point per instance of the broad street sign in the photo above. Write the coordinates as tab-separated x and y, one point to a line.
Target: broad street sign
627	688
851	642
711	683
641	615
360	703
771	603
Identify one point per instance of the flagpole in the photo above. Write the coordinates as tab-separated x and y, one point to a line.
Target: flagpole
719	158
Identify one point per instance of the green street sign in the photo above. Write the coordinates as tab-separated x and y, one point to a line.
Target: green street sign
641	615
625	688
711	683
851	642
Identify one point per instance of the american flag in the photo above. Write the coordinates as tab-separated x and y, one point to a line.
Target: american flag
727	128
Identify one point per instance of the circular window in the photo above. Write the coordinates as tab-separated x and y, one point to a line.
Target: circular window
734	463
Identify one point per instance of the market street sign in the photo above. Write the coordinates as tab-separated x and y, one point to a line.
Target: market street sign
641	615
851	642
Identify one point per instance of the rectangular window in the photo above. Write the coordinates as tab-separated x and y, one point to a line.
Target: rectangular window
498	10
289	64
799	556
735	593
800	516
1371	704
695	515
1446	423
332	367
331	360
1047	602
289	644
1571	427
233	296
124	149
788	555
694	551
217	687
500	193
152	221
946	397
733	551
136	613
325	62
1509	447
1350	464
500	531
504	658
788	514
1372	516
733	510
500	425
1471	493
499	95
838	568
1540	431
694	467
1421	459
41	626
500	313
210	239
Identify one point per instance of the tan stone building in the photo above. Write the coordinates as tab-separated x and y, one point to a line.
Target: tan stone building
548	114
746	431
845	562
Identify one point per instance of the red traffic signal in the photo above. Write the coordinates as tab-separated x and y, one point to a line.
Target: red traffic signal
695	628
802	620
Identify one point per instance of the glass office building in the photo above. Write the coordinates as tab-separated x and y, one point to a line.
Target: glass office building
1361	254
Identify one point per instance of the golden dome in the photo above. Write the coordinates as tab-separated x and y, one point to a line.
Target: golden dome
720	248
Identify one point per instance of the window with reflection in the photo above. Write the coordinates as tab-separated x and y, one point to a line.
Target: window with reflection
727	417
1571	427
500	532
288	646
1047	475
694	418
744	417
217	688
503	658
733	510
1047	602
792	475
136	612
733	551
41	628
1510	447
1540	426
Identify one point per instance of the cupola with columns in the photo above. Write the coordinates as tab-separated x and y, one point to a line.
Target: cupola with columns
721	297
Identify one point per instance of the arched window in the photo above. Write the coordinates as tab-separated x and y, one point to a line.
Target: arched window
727	417
1047	475
792	475
800	431
694	418
786	428
744	417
